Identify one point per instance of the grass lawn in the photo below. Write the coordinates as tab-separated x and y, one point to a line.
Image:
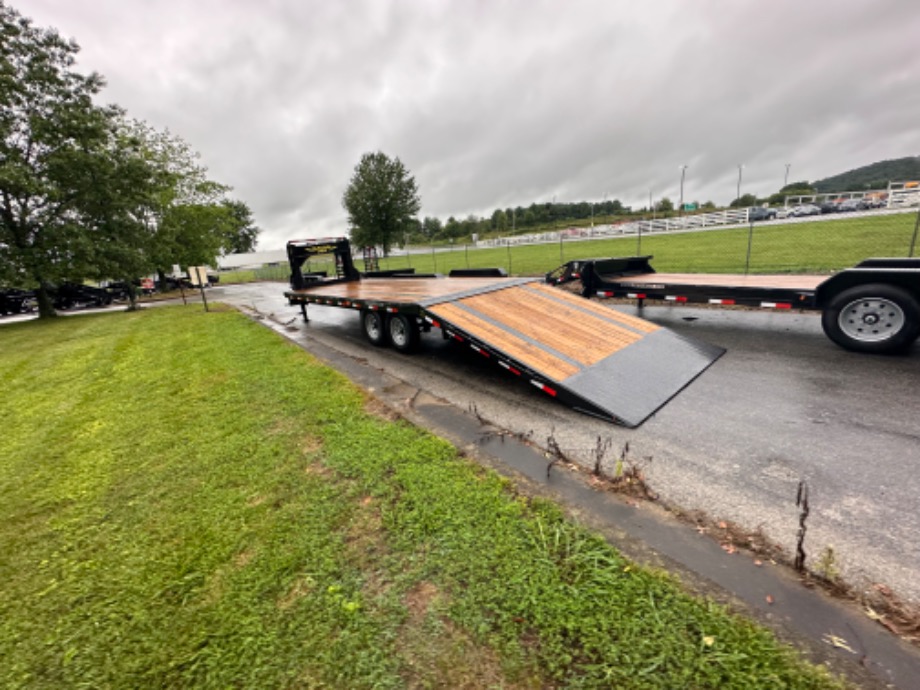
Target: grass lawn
187	500
813	247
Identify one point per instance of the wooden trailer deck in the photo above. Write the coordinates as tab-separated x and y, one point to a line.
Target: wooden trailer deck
595	358
781	281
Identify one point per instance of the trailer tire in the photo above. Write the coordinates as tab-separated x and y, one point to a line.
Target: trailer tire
875	318
404	333
374	325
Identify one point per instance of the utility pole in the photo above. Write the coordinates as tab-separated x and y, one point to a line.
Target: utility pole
786	179
683	170
738	196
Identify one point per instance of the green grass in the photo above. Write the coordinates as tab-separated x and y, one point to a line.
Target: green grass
186	500
815	247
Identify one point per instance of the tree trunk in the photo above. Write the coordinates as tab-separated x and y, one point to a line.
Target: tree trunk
45	306
132	296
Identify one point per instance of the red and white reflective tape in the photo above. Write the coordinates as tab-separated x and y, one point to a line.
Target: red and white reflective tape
635	295
356	305
604	294
543	387
776	305
373	307
721	301
510	368
432	322
675	298
479	350
453	335
392	310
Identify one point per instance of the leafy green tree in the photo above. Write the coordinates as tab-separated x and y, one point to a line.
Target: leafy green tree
381	198
431	227
744	201
499	220
242	231
52	140
665	205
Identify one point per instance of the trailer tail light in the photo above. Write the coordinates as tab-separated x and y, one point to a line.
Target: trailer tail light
722	301
776	305
675	298
636	295
510	368
479	350
543	387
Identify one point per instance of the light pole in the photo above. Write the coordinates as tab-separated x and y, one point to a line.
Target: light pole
650	207
786	179
683	171
738	196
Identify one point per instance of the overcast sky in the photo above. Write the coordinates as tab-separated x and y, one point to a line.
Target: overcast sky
494	104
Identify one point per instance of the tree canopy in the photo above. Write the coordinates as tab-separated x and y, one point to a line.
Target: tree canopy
381	201
86	193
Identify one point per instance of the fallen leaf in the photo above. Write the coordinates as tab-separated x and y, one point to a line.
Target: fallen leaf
839	643
872	614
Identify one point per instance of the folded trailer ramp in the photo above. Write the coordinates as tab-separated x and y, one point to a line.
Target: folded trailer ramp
593	358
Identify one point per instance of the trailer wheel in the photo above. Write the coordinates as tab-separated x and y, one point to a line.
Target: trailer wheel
404	333
373	324
875	318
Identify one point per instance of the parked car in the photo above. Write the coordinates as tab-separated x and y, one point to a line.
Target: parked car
853	205
830	207
784	212
806	210
761	213
15	301
70	295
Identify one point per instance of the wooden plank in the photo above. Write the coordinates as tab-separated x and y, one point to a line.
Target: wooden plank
786	282
399	290
514	347
596	308
582	337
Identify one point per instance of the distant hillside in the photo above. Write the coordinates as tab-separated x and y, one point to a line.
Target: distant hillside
874	176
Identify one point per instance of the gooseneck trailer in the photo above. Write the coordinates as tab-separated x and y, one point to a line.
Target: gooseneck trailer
873	307
593	358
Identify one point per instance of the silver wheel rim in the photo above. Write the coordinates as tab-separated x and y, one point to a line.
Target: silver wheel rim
372	326
398	332
871	319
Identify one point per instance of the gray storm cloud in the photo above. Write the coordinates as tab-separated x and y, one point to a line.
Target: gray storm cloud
492	104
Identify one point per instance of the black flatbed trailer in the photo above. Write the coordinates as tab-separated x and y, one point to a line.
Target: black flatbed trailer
595	359
873	307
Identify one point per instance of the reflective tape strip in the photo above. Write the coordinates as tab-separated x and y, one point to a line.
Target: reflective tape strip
636	295
675	298
510	368
392	310
480	350
543	387
721	301
776	305
605	294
